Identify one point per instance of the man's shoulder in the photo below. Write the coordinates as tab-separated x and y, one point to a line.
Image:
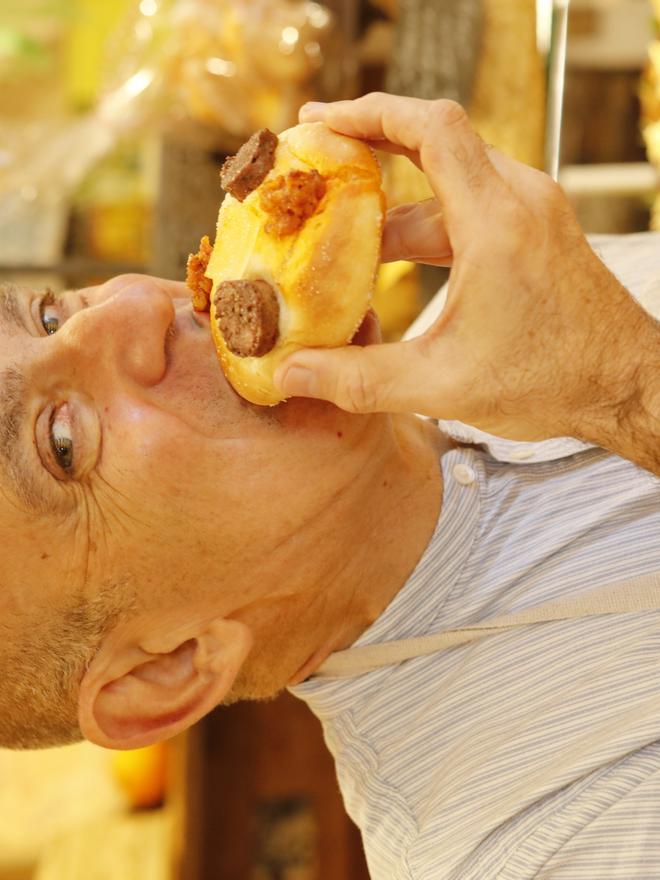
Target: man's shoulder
583	473
557	525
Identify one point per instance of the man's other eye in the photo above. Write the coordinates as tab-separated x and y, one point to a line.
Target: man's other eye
49	314
61	440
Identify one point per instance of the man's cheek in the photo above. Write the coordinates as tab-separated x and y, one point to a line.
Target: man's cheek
171	476
142	448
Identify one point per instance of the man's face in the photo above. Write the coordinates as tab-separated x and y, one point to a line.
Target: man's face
124	453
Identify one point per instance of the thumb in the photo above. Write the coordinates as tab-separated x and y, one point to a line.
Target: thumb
378	378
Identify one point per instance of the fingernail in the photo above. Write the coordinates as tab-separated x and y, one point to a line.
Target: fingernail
296	382
311	108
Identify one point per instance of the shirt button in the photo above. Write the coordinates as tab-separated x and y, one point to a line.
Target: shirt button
522	454
464	474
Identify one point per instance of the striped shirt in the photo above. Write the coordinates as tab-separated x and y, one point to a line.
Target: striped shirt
534	753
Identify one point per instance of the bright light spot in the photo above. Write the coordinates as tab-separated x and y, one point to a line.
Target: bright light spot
143	30
313	50
543	25
318	16
139	82
149	7
290	36
220	67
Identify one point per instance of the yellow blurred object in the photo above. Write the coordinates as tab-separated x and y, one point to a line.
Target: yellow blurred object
122	847
403	182
91	22
113	206
48	794
649	95
652	138
119	232
142	774
507	106
396	298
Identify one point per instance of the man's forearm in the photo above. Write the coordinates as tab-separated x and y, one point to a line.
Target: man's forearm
627	418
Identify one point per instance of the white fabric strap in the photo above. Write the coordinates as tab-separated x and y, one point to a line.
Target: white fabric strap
638	594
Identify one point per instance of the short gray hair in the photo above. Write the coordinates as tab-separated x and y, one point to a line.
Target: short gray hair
42	671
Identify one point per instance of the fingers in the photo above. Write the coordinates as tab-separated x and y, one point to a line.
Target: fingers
374	117
387	147
379	378
453	156
417	232
175	289
515	172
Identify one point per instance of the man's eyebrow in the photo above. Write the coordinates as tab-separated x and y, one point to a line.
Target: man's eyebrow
10	309
13	392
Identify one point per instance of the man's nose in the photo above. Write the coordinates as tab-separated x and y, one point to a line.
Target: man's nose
125	333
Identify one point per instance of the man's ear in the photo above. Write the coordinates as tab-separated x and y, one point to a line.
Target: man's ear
138	692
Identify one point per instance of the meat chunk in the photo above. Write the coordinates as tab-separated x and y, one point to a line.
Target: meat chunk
196	279
290	199
248	315
242	173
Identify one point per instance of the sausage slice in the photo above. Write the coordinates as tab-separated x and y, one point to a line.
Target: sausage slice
248	315
242	173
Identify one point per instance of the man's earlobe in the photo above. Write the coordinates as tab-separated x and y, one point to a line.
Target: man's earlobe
137	694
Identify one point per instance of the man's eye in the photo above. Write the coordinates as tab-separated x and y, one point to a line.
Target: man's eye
50	320
60	438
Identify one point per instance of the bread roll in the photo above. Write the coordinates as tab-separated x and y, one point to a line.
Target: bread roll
294	262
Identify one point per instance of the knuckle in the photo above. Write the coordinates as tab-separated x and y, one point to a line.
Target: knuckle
550	208
358	394
375	98
550	191
445	112
127	278
372	103
123	281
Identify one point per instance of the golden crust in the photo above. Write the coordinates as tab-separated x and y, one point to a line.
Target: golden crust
324	274
200	286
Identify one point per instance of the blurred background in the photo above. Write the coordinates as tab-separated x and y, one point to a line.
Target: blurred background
114	120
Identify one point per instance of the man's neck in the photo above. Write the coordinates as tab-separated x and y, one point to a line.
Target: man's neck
379	536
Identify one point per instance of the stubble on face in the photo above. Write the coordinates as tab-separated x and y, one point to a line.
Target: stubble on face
257	679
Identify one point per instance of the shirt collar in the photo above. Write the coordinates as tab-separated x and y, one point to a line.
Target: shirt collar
515	451
416	608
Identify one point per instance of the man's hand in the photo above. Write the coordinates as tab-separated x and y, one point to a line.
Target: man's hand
538	339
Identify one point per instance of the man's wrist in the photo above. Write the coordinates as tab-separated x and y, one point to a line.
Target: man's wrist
623	414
